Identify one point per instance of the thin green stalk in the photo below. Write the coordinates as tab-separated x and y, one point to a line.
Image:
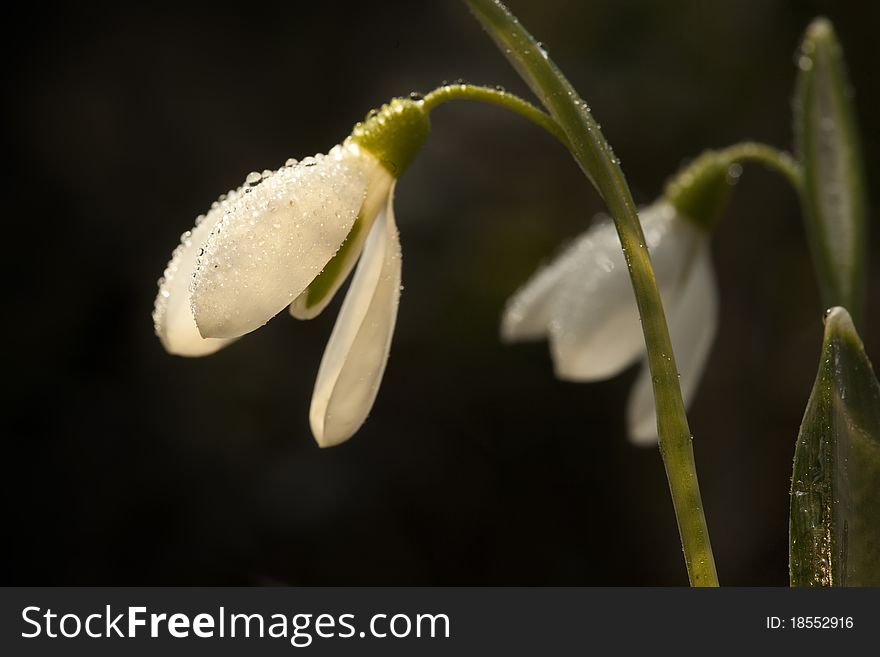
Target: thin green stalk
700	191
596	159
780	161
498	97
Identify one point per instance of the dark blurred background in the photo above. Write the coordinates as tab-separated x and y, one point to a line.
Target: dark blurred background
128	466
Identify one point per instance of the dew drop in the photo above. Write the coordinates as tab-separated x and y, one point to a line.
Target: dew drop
734	171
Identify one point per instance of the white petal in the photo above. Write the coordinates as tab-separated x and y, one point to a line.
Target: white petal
693	321
276	238
321	291
595	330
529	311
172	314
354	360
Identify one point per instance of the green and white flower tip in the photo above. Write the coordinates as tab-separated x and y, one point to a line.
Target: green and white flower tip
583	301
289	238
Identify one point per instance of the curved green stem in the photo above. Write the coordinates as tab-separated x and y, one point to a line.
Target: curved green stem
594	155
497	97
700	191
779	161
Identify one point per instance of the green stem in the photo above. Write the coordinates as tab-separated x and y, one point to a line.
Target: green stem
780	161
596	159
497	97
701	190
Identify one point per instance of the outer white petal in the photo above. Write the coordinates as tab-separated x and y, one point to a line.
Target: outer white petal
305	306
693	321
276	237
529	312
172	314
595	330
354	360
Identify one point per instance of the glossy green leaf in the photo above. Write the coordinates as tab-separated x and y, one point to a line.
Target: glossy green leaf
834	193
834	529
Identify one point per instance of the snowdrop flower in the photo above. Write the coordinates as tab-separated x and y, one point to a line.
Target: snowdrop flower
290	238
584	305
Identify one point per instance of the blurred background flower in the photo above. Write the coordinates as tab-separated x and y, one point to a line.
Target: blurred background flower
583	304
476	465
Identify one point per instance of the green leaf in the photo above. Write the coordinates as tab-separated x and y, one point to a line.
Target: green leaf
834	192
834	530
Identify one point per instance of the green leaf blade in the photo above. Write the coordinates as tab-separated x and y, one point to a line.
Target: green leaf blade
834	533
834	193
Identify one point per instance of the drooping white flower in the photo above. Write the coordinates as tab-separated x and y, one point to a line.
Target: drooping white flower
584	305
290	238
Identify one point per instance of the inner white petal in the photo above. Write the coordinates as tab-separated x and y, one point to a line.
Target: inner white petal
354	360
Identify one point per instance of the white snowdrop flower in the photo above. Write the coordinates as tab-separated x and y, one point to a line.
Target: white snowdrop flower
290	238
584	305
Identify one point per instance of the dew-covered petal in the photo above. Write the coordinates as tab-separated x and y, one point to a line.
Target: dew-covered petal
172	315
595	330
276	237
354	360
693	322
321	291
